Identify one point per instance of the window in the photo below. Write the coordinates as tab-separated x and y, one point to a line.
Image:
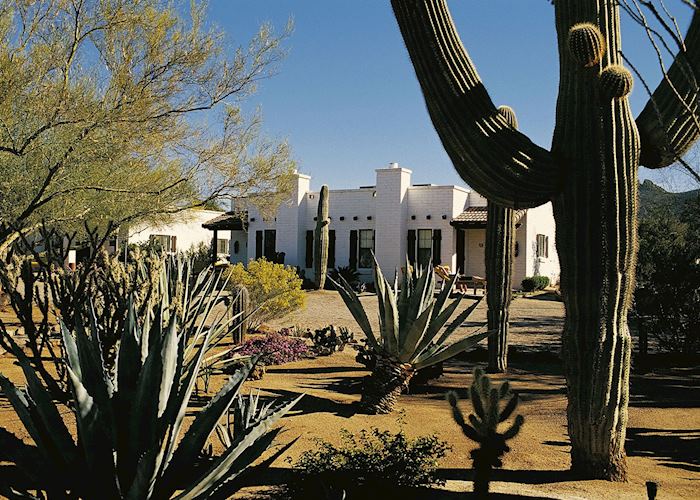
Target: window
269	246
222	246
542	246
425	247
166	242
366	248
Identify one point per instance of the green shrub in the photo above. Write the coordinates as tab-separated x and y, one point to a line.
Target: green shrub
200	257
376	460
532	283
275	289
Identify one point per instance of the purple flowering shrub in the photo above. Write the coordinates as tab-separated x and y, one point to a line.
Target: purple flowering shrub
274	348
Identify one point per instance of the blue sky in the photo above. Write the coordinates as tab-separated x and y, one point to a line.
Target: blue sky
348	101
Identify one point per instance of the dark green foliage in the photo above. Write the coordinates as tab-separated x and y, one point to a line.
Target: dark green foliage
350	275
482	426
374	461
653	197
667	297
532	283
331	339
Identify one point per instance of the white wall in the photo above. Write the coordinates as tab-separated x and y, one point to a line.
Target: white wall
242	238
391	209
187	229
540	220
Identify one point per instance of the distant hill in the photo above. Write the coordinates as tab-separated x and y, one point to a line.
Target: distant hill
653	196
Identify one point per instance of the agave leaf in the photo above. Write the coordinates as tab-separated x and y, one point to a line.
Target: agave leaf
380	286
93	440
390	332
169	355
356	309
444	295
223	468
430	358
458	321
58	440
196	436
71	348
415	333
436	324
21	404
420	299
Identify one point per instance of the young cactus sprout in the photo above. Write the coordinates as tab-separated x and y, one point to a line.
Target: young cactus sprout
482	426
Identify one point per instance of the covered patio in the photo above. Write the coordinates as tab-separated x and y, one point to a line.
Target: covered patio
229	221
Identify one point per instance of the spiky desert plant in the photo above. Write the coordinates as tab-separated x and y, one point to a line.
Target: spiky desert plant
247	412
411	335
483	426
590	176
500	251
321	239
241	309
130	439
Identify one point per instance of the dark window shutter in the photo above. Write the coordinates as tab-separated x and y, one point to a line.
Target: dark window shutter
353	248
331	249
437	246
460	251
269	250
173	243
258	244
411	246
309	249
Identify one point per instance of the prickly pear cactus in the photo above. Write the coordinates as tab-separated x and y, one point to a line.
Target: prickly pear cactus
482	426
321	239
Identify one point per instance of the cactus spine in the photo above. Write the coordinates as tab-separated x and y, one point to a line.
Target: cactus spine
241	307
321	239
590	176
500	250
483	426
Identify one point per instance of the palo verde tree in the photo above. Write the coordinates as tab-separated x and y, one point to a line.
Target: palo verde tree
590	175
116	110
500	250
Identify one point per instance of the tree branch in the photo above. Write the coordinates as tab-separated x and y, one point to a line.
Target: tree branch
498	161
668	124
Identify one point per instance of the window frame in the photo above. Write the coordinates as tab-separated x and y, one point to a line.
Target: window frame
364	253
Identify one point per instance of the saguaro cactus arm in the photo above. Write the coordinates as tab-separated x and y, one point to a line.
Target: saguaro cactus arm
668	125
498	161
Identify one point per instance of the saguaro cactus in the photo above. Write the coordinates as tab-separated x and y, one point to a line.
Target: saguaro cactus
241	306
590	175
321	238
500	249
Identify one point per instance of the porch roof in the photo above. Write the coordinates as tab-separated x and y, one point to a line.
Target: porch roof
230	221
475	218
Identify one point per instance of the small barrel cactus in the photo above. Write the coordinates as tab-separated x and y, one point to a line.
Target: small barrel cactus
615	81
586	44
483	426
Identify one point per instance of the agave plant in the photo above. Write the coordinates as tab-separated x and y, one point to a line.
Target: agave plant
411	335
246	413
131	438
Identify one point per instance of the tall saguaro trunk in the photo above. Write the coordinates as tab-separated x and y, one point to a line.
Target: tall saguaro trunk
321	239
597	143
500	250
500	247
590	176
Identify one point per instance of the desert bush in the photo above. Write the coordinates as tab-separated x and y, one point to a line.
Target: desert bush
331	339
200	257
532	283
348	273
274	348
377	461
667	297
275	289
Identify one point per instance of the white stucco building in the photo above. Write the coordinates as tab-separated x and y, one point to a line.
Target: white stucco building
394	219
